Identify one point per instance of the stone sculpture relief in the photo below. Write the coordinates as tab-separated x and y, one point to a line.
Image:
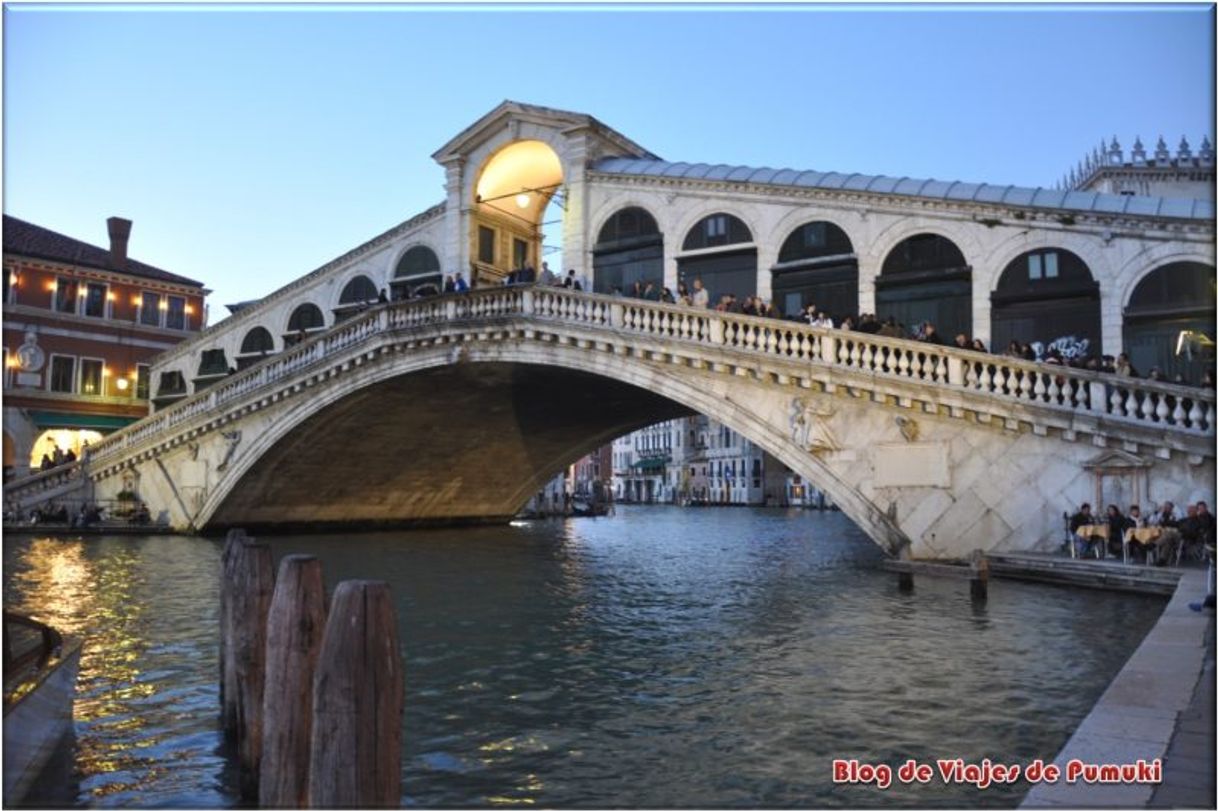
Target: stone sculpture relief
909	428
810	428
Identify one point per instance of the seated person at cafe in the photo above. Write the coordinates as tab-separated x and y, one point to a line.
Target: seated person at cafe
1207	522
1165	516
1193	530
1140	547
1082	518
1117	524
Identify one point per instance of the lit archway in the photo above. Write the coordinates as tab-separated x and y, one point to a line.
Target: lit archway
512	195
63	440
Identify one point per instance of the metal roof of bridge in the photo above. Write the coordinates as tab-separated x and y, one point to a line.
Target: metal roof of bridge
1023	196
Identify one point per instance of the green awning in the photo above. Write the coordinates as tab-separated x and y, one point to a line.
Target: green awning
652	463
93	422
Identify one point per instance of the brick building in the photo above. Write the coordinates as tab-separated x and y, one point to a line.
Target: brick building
81	326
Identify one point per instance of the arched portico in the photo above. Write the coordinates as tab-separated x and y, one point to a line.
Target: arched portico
925	278
1170	300
514	187
1049	298
629	248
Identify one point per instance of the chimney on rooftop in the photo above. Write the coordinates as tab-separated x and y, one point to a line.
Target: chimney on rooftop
120	232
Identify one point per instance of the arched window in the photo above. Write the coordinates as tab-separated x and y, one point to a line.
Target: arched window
418	268
1167	301
257	344
1049	299
715	231
212	363
731	270
817	265
356	295
305	318
629	249
171	388
257	341
627	225
925	278
358	291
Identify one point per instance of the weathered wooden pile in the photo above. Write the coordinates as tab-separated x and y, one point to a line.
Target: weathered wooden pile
311	698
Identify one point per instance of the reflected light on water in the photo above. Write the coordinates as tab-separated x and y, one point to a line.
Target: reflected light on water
660	658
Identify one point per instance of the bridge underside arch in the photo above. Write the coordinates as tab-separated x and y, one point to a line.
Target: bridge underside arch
463	442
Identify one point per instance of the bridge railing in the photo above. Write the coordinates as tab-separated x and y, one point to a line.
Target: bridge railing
17	491
1125	399
1112	396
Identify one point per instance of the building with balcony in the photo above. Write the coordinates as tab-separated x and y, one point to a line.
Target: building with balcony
81	326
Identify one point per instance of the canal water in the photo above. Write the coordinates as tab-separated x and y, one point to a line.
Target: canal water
662	657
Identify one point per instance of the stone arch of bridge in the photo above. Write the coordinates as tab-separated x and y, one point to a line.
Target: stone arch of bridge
636	394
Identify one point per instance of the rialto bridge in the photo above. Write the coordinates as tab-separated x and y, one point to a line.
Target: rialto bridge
1090	272
457	408
315	405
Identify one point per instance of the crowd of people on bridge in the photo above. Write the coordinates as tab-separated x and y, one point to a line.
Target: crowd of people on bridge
1160	538
696	295
58	457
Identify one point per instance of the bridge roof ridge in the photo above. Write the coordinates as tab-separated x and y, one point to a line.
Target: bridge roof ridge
1008	194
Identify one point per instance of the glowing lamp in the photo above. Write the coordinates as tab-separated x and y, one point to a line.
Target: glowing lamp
189	309
522	199
1189	343
80	291
52	286
111	296
122	384
105	371
164	305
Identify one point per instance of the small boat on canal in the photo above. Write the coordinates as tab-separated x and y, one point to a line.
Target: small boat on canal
40	669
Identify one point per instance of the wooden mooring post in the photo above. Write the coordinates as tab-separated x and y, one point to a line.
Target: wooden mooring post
355	760
979	583
293	640
312	698
248	581
977	573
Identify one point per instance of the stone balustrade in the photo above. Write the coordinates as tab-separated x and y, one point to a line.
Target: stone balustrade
42	484
1166	408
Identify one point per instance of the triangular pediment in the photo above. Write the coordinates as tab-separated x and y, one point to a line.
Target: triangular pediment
491	124
1115	457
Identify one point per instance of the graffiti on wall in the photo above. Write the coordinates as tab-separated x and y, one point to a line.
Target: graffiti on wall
1069	346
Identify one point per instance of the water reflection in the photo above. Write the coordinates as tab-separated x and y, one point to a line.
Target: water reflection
706	658
143	670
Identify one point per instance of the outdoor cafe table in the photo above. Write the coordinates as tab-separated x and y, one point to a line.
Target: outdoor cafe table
1089	531
1156	537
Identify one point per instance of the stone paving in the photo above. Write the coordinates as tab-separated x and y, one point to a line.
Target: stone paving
1188	772
1161	705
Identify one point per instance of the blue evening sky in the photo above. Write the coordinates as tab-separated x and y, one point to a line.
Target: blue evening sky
251	145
